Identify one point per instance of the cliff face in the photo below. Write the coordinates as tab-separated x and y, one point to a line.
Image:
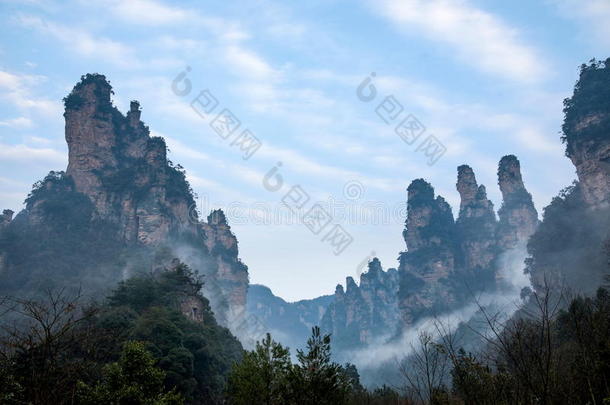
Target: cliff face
123	171
446	261
362	313
119	187
231	275
586	129
571	248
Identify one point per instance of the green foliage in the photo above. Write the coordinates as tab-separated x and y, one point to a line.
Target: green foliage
178	186
10	389
133	380
583	331
591	100
266	375
58	241
262	375
568	240
164	289
196	356
316	379
103	90
475	382
543	358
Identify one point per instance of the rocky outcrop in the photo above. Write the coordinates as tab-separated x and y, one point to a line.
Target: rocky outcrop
231	275
586	132
430	259
362	313
120	186
6	218
475	226
114	161
446	261
518	216
570	248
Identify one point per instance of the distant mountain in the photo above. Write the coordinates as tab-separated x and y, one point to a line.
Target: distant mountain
288	322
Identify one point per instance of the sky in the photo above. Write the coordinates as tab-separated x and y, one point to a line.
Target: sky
327	87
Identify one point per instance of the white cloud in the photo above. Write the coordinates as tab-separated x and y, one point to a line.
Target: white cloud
248	64
181	149
447	120
148	12
27	155
534	139
293	160
594	14
19	122
83	43
38	140
157	13
479	38
18	90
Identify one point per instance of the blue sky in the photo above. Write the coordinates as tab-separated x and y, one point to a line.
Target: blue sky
486	78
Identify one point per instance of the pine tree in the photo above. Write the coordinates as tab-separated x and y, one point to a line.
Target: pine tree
133	380
261	377
316	380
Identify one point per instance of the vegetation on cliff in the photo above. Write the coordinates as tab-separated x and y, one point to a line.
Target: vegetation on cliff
62	345
590	102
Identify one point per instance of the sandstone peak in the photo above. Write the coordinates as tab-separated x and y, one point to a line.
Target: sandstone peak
7	215
420	190
217	217
466	185
120	183
350	285
509	177
518	216
586	132
92	90
374	266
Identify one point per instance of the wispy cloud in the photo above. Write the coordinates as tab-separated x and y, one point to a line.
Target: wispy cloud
148	12
480	38
27	155
593	14
83	42
19	122
19	90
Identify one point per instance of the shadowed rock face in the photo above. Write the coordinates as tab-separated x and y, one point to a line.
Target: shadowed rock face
121	177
